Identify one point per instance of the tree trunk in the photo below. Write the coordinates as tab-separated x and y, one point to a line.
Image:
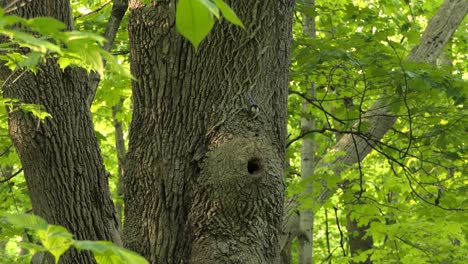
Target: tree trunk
121	151
66	179
358	242
307	151
204	174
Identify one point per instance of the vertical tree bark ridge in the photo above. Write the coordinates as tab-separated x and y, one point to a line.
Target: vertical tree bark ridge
438	32
66	179
204	177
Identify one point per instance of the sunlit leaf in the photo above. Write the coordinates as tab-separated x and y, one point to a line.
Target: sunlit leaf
28	221
193	20
228	13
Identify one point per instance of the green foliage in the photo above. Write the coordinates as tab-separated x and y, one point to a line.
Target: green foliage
107	252
411	188
194	18
56	240
14	105
31	41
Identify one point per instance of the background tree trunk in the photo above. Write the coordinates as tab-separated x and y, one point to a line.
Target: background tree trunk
357	240
204	174
121	151
306	223
66	179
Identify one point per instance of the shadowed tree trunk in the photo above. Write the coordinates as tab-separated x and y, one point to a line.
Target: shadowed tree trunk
121	151
358	242
66	179
204	173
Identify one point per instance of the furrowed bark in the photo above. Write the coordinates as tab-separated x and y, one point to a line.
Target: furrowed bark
204	178
63	168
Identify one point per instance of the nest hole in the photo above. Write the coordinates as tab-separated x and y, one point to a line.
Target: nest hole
254	166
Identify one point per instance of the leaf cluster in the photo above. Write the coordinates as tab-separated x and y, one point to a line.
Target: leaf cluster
56	240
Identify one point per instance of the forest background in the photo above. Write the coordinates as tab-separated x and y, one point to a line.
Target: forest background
406	202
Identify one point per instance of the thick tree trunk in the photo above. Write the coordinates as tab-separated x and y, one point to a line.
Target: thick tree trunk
66	179
204	178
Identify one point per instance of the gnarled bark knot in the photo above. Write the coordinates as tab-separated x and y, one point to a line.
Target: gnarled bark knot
237	201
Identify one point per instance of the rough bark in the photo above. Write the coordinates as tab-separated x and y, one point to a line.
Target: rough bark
438	32
306	223
66	179
204	178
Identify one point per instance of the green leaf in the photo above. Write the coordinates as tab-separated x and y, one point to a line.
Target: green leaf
85	52
107	252
32	247
228	13
9	20
193	20
364	126
31	61
28	221
30	41
79	35
56	239
37	110
211	7
47	26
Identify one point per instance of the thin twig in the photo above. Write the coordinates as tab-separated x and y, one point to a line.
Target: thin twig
339	229
94	11
11	176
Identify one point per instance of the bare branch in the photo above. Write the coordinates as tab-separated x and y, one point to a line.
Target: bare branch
11	176
94	11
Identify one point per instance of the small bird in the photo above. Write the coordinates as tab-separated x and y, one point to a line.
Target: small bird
252	106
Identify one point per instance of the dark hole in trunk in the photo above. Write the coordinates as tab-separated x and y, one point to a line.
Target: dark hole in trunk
253	165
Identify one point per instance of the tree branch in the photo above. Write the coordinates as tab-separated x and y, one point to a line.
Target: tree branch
119	8
11	176
94	11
